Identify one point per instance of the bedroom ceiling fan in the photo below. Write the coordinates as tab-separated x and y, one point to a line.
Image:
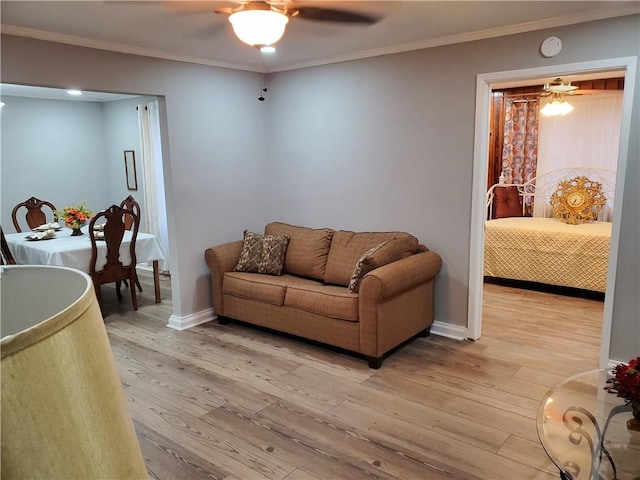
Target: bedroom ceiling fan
558	86
262	23
558	89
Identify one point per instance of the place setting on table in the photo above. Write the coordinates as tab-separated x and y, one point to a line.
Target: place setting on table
53	244
46	231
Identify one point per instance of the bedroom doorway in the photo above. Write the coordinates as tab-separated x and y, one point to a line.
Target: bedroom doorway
485	84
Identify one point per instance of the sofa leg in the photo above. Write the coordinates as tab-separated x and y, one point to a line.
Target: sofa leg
426	332
374	362
223	320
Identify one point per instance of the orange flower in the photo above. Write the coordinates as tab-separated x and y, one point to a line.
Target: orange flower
75	217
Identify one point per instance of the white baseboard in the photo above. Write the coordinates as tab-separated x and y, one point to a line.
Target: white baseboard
198	318
442	329
455	332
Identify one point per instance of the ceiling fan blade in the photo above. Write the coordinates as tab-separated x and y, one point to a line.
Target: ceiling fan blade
226	10
132	2
338	16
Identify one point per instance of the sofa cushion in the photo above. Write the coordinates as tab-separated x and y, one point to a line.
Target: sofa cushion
262	253
381	254
327	300
307	251
255	286
348	247
507	202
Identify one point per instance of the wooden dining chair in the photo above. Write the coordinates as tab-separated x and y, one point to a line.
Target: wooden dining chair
113	270
130	204
35	216
6	257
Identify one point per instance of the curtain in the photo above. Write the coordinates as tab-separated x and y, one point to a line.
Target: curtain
589	136
153	185
520	147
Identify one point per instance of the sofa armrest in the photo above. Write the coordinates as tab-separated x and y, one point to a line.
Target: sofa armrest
221	259
401	275
396	301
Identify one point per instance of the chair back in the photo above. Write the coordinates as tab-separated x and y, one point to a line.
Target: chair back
114	230
34	216
6	257
130	204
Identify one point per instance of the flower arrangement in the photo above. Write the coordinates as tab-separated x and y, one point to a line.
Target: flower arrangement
626	381
75	216
626	384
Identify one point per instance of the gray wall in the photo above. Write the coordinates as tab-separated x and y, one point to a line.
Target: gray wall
57	139
214	147
386	143
121	133
379	143
53	150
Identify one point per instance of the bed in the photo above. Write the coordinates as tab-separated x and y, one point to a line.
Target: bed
523	241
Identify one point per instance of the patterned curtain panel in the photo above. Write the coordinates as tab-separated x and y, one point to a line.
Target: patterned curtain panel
520	148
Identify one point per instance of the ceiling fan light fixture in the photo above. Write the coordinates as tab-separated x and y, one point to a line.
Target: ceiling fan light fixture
259	28
556	107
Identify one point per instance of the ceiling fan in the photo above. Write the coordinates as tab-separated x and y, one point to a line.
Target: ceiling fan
558	89
262	23
558	86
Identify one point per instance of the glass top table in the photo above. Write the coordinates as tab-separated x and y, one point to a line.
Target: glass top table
583	429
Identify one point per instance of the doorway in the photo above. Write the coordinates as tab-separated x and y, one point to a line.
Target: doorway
484	85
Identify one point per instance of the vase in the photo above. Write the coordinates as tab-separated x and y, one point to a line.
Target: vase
634	423
76	232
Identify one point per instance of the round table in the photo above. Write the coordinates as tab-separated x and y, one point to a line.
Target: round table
583	429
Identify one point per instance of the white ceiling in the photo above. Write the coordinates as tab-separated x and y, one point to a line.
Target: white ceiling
191	31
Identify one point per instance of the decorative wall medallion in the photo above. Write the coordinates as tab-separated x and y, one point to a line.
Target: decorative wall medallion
578	200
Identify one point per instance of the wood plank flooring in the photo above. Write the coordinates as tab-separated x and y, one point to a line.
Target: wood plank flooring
233	402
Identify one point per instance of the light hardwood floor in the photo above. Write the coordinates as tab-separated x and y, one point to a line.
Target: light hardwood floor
233	402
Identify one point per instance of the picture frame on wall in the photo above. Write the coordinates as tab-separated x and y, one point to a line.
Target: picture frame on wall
130	169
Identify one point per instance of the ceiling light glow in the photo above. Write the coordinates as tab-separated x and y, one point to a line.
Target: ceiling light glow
556	107
74	92
258	28
268	49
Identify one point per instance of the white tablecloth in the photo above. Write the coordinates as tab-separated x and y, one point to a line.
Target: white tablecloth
75	252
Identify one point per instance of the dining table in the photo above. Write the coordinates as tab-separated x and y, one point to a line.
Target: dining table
66	250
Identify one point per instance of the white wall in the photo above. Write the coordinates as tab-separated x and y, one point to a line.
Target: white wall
379	143
53	150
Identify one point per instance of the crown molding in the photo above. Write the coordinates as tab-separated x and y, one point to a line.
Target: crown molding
437	42
115	47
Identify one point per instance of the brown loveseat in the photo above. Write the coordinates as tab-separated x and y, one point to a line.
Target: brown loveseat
312	299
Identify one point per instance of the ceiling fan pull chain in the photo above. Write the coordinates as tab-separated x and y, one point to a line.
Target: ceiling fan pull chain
264	87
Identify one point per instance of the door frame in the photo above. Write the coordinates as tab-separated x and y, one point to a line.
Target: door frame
484	85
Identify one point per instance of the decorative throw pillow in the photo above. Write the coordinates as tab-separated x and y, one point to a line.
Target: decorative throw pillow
262	253
507	202
381	254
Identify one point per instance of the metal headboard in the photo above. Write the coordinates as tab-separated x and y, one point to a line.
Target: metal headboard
538	191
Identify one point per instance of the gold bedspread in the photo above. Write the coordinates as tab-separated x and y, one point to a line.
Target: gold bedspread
545	250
